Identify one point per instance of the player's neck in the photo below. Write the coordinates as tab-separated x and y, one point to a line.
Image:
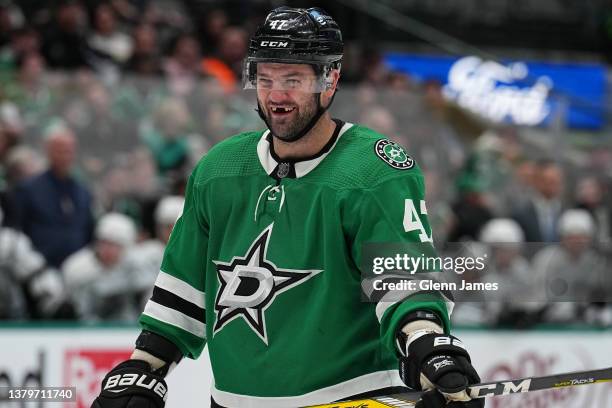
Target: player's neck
310	144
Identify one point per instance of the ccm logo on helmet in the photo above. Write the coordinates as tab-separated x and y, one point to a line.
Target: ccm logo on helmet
140	380
274	44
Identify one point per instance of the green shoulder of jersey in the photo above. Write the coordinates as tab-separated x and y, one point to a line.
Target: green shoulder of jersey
234	156
361	158
368	158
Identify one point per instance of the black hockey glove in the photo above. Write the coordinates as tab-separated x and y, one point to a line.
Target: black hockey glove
440	365
132	384
435	399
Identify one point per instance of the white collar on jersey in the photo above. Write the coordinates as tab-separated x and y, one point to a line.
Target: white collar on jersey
302	168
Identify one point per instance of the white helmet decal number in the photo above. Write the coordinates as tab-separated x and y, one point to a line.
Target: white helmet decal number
279	24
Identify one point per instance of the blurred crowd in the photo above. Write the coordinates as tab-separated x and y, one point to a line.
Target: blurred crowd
105	107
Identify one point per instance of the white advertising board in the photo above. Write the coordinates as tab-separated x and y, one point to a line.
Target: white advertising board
81	357
507	355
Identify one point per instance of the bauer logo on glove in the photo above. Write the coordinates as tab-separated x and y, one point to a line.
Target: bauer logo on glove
129	379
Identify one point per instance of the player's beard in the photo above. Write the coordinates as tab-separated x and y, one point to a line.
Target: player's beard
289	129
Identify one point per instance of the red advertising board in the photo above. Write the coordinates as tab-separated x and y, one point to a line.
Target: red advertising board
85	368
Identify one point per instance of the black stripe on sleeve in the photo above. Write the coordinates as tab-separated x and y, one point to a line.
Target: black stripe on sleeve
169	299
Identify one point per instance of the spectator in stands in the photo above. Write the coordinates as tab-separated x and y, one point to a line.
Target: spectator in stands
374	70
399	83
571	273
31	88
11	134
115	185
380	119
12	299
433	128
600	160
500	246
95	275
514	303
36	91
233	48
145	59
111	48
590	197
167	138
11	129
64	44
493	155
132	186
11	19
131	11
526	173
212	30
22	163
171	19
226	66
23	40
143	171
522	185
145	188
182	67
102	130
31	67
54	208
145	258
471	210
539	215
439	210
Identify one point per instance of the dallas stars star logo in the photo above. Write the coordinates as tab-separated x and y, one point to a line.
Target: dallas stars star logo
250	284
393	154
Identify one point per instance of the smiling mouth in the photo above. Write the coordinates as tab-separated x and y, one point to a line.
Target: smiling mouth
282	110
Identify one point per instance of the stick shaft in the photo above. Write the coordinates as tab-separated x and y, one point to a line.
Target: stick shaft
490	389
540	383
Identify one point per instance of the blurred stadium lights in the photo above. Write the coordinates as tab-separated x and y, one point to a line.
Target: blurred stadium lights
394	14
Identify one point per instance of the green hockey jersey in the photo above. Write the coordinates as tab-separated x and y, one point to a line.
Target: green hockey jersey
263	266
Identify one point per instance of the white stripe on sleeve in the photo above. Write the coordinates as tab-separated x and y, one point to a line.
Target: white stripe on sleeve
175	318
180	288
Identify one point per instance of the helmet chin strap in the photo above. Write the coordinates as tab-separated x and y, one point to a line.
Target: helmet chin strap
320	111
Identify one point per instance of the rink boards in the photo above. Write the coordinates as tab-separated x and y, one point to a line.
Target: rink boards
80	356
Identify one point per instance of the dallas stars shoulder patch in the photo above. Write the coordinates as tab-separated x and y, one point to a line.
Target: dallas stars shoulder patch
393	154
249	285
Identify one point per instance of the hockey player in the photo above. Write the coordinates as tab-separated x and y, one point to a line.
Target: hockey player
29	288
263	264
100	283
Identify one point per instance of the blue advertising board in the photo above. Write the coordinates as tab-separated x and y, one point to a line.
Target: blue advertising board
524	93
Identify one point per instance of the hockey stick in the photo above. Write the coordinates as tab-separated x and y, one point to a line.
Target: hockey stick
488	389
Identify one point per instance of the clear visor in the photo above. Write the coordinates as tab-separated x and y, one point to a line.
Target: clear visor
284	77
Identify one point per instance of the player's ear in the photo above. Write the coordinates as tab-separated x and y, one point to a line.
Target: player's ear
332	83
334	77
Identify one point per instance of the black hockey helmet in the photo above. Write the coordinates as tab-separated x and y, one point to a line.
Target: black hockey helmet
295	36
